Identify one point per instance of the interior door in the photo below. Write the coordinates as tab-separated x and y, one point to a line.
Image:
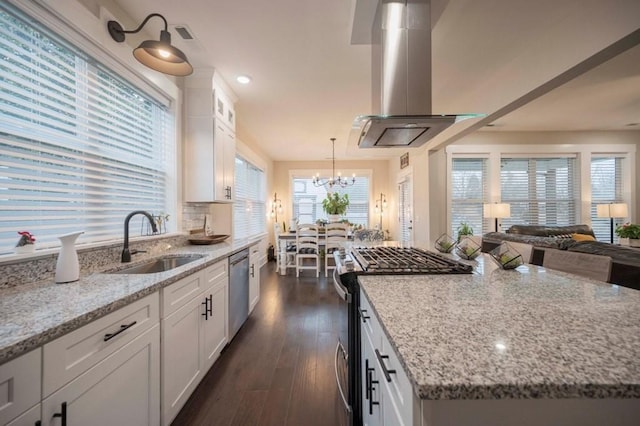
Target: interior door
405	209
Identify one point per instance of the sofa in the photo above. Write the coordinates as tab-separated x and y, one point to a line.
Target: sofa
625	261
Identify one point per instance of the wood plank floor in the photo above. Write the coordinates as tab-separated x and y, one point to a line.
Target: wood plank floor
279	368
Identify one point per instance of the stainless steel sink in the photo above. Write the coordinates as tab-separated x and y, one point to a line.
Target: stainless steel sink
158	265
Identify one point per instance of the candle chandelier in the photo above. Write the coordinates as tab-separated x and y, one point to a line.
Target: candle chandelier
334	180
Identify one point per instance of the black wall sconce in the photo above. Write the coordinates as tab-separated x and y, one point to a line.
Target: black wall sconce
158	55
276	207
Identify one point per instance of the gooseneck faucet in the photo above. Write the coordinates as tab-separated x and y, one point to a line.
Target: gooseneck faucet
126	255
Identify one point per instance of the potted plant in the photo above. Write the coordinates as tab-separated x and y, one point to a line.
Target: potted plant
464	230
26	243
335	205
629	234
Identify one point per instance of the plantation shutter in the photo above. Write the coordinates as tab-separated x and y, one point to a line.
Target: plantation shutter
541	191
80	147
249	208
469	191
606	187
404	211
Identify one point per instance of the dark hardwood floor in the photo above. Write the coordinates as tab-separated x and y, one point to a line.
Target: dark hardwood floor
279	368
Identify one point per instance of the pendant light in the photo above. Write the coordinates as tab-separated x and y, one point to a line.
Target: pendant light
334	180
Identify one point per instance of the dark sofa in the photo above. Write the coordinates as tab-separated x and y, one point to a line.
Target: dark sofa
625	266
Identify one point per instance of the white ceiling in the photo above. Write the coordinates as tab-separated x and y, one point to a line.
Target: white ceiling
497	57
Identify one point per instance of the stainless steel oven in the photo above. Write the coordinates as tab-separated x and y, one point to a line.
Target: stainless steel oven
381	260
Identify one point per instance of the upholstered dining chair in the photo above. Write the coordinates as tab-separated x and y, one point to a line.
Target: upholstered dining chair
307	248
336	236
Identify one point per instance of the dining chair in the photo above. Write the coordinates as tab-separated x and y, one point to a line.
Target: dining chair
286	251
336	236
307	248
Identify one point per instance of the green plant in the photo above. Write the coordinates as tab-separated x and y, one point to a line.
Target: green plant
335	203
628	230
463	230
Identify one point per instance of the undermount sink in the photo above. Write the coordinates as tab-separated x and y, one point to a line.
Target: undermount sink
162	264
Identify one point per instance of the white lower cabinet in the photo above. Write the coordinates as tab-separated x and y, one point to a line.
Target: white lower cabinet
192	338
20	387
122	389
30	418
254	277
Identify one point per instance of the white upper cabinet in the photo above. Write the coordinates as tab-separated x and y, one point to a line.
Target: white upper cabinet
210	146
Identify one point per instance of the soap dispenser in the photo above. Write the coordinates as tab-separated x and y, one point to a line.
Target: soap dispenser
68	268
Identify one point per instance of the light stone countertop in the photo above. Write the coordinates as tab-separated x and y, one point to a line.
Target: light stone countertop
34	314
524	333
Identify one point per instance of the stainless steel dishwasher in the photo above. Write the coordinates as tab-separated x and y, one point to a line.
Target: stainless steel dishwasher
238	291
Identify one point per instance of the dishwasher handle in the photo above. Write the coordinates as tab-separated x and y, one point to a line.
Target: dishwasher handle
236	261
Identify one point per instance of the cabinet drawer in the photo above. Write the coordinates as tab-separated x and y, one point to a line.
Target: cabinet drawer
216	273
399	388
368	321
19	385
181	292
68	356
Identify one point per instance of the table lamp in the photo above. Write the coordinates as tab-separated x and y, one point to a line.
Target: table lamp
612	211
497	211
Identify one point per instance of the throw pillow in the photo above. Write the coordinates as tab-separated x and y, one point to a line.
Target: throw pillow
582	237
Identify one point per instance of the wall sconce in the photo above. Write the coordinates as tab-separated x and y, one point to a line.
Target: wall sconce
612	210
157	55
276	207
381	206
497	210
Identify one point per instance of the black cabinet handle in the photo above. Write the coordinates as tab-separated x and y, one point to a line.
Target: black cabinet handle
363	315
367	378
252	271
386	372
38	423
206	308
123	327
62	414
210	309
371	401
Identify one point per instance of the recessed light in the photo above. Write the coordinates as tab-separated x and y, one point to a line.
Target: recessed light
243	79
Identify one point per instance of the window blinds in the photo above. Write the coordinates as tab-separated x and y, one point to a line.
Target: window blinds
249	209
541	191
307	201
79	147
606	187
469	191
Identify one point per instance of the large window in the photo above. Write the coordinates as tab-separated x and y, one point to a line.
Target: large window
80	147
307	200
541	191
249	208
469	191
606	187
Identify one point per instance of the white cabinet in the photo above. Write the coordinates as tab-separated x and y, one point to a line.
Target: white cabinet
20	381
192	335
122	389
210	139
30	418
254	276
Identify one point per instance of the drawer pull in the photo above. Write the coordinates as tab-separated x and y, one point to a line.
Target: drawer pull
372	382
387	373
363	314
208	307
62	414
123	327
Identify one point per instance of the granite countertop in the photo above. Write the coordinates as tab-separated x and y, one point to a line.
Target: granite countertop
34	314
525	333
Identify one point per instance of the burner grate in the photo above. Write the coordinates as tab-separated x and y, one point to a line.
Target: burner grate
406	260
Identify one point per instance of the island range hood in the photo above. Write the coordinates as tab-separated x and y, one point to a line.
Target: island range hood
401	79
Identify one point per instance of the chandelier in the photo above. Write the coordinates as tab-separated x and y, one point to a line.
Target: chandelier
334	180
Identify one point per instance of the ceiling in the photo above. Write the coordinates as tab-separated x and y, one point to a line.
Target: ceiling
526	65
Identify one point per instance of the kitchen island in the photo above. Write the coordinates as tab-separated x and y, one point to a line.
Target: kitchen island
523	346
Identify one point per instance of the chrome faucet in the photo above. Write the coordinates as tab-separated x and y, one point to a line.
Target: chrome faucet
126	255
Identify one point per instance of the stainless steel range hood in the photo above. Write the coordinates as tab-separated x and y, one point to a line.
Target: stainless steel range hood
401	79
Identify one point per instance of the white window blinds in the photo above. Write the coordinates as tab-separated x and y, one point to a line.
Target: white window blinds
307	201
606	187
541	191
249	214
469	191
79	146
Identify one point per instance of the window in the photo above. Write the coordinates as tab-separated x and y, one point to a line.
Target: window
249	211
469	191
541	191
606	187
307	200
80	147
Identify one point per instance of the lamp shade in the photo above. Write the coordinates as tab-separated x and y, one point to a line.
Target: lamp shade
617	210
497	210
162	56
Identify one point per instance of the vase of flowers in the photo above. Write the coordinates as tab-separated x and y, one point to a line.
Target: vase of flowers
26	243
629	234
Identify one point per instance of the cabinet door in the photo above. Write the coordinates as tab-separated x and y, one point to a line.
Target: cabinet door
254	277
371	386
20	385
214	324
181	356
122	389
229	156
27	419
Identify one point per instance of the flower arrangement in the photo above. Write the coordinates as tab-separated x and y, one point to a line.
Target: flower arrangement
628	230
26	238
